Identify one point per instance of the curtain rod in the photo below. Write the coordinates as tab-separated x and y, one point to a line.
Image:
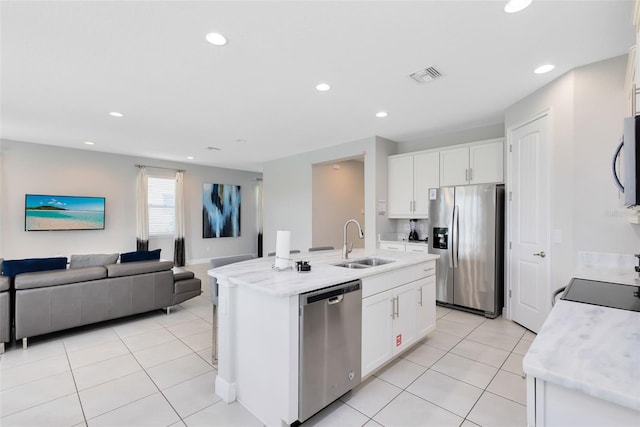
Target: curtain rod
158	167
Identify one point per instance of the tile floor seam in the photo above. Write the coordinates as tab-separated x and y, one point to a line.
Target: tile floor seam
75	384
35	406
434	403
478	361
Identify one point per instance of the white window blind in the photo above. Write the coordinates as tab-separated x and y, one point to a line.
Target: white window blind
162	207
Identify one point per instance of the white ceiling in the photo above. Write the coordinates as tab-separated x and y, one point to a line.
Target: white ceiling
66	64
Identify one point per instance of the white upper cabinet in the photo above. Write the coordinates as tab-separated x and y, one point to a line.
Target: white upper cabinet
477	163
426	175
454	166
410	178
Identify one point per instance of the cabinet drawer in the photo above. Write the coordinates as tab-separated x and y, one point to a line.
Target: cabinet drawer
392	246
417	248
382	282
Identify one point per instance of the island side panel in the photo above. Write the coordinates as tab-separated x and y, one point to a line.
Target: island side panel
266	355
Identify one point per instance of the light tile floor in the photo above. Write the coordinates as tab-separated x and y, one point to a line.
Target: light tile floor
156	370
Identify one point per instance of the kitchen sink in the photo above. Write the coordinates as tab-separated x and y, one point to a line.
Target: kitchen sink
365	262
373	261
351	265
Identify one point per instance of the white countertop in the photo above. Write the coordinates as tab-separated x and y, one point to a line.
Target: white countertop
589	348
258	274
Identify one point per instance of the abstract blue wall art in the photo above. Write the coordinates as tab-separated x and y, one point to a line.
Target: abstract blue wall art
220	210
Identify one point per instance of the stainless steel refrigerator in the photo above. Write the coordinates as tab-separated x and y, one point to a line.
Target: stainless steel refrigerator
467	231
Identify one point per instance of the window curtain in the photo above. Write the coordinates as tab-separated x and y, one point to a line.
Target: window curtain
178	249
142	211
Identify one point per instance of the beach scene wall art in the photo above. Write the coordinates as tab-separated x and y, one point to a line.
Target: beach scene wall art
220	210
46	213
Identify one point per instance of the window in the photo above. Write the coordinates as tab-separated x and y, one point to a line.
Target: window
162	206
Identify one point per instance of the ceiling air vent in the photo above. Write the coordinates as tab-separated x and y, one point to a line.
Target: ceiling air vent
426	75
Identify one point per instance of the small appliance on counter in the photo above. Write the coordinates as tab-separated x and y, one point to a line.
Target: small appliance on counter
413	234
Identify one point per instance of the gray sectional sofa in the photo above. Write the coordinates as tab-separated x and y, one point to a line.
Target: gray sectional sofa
50	301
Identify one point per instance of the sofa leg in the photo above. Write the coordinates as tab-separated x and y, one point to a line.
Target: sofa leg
168	310
24	343
1	347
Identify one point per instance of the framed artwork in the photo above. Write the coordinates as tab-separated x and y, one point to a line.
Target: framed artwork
46	213
221	210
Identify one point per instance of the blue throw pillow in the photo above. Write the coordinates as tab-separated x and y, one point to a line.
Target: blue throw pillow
14	267
140	256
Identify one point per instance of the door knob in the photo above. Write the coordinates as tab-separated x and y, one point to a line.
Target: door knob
541	254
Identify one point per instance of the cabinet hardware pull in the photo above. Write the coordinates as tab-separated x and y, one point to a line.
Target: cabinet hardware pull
429	269
420	302
397	307
393	308
470	174
466	174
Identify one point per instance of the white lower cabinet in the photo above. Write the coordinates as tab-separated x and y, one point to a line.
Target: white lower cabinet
426	313
550	404
396	318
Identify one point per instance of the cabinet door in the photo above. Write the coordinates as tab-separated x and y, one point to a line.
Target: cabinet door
400	186
486	163
392	246
426	175
377	328
426	301
454	166
404	323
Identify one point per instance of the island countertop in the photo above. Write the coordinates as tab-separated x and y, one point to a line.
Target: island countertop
591	349
259	275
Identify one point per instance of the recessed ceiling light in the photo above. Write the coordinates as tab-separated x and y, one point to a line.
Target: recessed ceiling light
544	69
190	157
216	39
516	5
240	141
89	143
323	87
213	148
116	114
382	114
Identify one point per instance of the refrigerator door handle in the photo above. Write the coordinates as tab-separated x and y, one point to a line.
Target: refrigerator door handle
456	237
451	239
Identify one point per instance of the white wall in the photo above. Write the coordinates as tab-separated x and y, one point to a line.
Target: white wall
586	107
288	191
41	169
338	195
495	130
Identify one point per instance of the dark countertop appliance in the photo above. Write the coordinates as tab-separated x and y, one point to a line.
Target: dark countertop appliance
607	294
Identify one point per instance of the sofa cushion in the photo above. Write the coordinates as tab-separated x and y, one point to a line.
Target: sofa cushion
140	256
140	267
180	273
4	283
92	260
59	277
13	267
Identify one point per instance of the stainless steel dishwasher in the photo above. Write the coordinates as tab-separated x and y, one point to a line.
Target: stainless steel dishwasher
330	345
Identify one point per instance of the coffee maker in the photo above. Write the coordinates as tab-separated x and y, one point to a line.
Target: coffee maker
413	234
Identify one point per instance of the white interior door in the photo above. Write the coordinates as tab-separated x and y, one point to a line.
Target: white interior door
528	258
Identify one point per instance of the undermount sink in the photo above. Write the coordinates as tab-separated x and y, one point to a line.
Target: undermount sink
351	265
373	261
365	262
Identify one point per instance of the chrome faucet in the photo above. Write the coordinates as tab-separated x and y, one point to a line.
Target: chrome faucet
346	251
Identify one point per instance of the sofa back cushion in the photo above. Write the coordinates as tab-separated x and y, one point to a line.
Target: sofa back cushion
13	267
140	256
135	268
92	260
43	279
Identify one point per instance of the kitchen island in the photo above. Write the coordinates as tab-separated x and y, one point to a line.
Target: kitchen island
583	368
258	322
